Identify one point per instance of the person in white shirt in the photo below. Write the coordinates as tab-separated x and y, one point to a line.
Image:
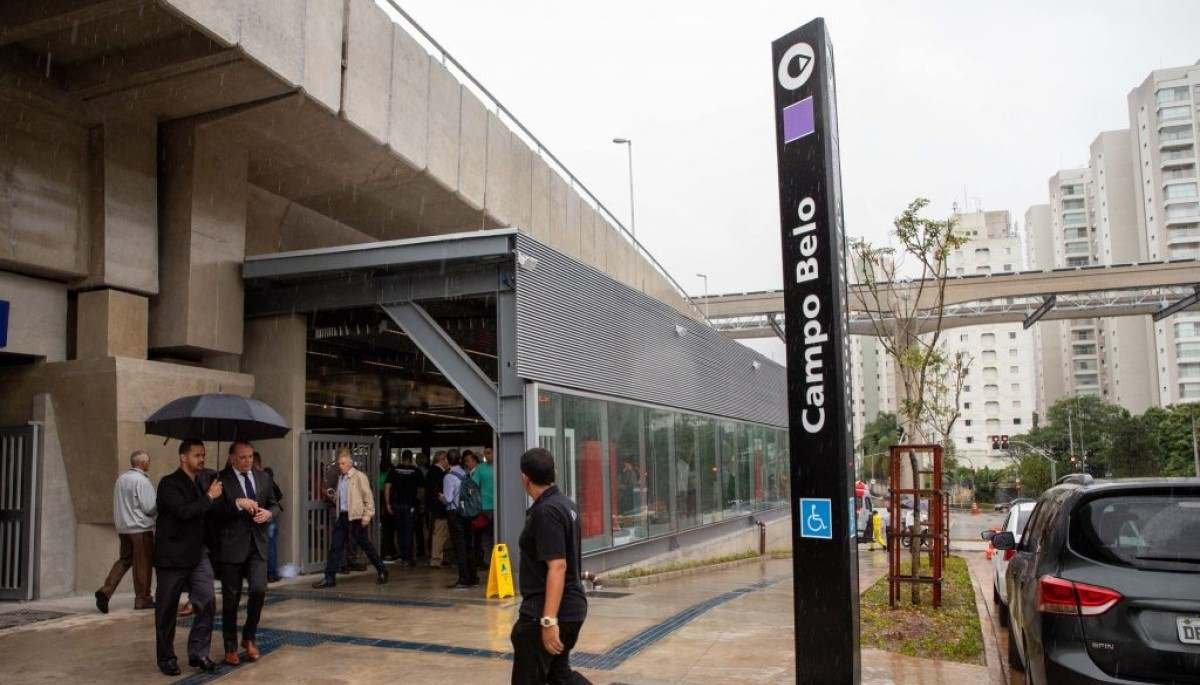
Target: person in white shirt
134	510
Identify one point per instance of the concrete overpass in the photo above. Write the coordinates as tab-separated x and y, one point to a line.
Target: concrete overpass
1081	292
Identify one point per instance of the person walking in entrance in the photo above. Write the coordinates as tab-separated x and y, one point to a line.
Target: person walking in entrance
435	508
355	504
400	499
553	603
249	505
460	524
482	529
134	509
188	499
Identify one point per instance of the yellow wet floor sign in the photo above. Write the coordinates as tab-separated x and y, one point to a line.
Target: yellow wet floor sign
500	582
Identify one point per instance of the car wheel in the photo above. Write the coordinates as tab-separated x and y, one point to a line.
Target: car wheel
1014	656
1001	609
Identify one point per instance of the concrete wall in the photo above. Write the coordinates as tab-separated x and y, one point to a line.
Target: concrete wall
37	323
56	511
779	537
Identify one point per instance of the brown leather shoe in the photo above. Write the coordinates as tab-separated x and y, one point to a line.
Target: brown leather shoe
232	659
252	653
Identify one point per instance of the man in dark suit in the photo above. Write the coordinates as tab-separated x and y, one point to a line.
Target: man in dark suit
248	506
186	499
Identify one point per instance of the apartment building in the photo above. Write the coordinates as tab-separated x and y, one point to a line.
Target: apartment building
998	395
1163	118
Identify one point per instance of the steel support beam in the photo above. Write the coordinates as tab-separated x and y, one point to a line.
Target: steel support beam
1178	306
1041	311
354	290
773	320
449	358
511	441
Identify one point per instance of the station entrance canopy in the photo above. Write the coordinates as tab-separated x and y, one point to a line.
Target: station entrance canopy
557	323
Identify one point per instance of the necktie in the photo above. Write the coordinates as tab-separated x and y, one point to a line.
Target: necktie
249	486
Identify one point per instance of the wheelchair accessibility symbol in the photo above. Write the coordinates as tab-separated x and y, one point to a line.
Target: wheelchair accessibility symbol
816	516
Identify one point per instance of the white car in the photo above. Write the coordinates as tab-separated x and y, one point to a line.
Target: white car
1014	523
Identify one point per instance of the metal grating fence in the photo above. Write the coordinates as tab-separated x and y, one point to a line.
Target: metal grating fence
320	475
17	483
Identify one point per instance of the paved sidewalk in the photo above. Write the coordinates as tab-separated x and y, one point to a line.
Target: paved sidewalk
731	626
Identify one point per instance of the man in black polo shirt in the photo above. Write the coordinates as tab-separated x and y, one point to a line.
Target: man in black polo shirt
553	604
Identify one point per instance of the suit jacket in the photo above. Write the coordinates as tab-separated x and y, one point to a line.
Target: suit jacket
239	535
183	519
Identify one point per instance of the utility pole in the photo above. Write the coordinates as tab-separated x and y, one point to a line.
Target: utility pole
1195	451
1070	433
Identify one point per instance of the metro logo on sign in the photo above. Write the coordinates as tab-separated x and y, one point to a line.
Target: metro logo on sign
798	120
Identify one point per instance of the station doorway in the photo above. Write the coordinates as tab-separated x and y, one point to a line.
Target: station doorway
369	387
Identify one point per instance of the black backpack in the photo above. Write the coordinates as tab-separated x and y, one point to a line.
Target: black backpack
470	497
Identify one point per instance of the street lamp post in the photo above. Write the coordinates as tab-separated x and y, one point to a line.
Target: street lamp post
705	277
629	148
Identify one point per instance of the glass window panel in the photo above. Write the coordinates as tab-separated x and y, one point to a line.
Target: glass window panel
708	469
627	460
687	470
659	471
586	472
745	468
729	468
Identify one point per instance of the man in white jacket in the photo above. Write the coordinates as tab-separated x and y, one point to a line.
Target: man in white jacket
134	510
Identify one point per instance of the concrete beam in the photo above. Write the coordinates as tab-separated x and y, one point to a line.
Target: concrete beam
124	206
539	215
408	133
323	30
219	19
23	21
367	91
444	120
44	193
111	323
199	308
273	33
520	201
499	195
473	150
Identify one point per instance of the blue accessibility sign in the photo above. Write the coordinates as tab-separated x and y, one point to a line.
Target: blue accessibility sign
816	518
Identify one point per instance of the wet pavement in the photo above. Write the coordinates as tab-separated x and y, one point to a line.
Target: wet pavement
730	626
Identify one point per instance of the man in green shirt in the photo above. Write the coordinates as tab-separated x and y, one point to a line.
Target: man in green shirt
483	539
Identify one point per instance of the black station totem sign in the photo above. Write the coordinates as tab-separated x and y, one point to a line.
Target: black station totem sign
825	558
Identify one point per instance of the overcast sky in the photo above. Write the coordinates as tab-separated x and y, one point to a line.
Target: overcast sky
972	102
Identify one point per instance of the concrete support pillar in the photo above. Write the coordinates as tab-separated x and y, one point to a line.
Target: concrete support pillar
123	208
56	510
203	242
111	323
274	354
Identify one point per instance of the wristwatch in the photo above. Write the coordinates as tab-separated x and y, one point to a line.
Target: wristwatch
548	621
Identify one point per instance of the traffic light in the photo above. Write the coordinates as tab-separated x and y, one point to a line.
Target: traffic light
1003	442
995	441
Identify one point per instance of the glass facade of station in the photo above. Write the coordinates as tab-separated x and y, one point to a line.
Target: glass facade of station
638	472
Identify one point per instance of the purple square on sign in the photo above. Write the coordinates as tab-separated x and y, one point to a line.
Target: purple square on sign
798	120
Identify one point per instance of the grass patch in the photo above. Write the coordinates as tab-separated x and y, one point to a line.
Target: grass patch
951	633
642	572
780	554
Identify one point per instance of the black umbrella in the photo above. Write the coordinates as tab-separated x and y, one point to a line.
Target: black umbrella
217	417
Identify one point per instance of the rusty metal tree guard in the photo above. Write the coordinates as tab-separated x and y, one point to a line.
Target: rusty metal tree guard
937	523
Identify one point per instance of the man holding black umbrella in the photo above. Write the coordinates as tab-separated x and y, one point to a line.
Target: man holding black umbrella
187	498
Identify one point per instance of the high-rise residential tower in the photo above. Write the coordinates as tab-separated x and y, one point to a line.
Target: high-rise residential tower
1163	118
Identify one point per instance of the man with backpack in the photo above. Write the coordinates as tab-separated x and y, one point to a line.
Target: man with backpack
462	499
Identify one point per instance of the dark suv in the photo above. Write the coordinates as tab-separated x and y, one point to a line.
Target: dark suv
1105	584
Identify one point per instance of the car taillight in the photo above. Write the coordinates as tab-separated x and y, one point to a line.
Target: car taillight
1058	596
1009	554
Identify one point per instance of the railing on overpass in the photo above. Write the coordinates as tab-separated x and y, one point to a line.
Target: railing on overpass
435	48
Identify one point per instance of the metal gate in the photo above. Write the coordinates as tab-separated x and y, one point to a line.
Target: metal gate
319	450
17	505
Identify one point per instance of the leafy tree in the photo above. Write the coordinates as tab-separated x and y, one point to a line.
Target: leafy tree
1170	429
877	437
1034	472
1089	424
